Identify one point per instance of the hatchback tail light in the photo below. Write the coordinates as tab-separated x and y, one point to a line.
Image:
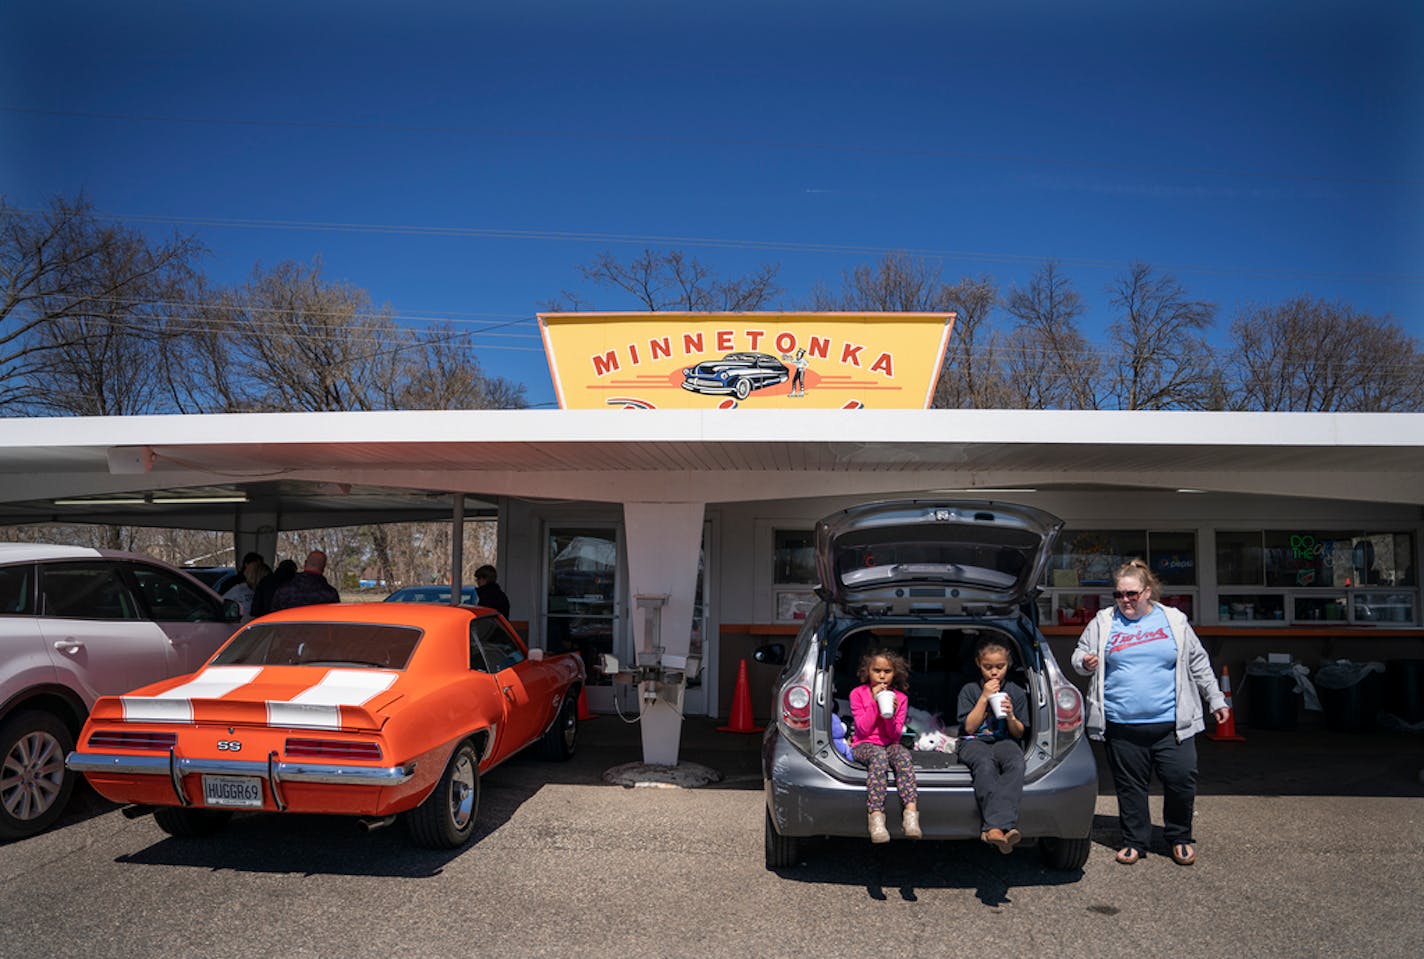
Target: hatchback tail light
796	706
794	702
1067	715
332	749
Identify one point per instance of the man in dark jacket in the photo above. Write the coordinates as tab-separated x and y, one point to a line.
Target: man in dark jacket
489	592
307	587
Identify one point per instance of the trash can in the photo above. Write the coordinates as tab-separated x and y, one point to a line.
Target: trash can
1273	695
1350	694
1404	689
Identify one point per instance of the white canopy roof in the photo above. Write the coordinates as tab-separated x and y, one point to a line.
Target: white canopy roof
701	456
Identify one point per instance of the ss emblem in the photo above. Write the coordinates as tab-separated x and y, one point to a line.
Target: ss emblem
229	746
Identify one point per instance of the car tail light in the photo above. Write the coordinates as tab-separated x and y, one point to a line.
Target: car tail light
131	739
332	749
795	699
796	706
1067	716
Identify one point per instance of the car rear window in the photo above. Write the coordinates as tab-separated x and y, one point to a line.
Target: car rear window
379	646
997	559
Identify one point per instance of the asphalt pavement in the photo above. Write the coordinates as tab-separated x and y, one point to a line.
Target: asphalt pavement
1311	843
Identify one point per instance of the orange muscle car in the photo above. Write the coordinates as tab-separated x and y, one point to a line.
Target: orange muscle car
367	710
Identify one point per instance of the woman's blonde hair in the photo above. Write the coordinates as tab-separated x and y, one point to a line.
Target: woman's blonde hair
1136	567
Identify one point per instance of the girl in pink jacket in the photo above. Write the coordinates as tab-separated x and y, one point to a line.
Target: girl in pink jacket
876	740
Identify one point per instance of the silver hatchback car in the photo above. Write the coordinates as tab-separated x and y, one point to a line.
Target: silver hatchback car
928	579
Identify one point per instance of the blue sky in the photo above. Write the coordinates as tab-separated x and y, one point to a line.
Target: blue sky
460	160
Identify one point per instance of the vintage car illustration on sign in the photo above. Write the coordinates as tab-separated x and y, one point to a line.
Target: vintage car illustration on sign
735	373
368	710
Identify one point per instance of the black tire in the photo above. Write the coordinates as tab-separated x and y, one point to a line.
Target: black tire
184	823
743	388
559	743
1065	854
782	852
446	819
35	786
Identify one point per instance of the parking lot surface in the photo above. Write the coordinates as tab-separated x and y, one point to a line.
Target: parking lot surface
1311	843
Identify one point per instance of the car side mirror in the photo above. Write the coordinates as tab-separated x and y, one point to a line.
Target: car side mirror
773	654
231	611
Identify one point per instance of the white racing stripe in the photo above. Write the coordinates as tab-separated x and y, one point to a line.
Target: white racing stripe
320	706
176	705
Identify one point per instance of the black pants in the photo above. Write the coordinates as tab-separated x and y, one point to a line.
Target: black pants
998	771
1135	752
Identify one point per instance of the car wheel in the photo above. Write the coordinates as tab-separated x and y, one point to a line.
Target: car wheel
743	389
561	740
34	785
446	819
782	852
1060	853
185	823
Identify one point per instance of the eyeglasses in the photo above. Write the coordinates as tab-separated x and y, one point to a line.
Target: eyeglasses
1128	594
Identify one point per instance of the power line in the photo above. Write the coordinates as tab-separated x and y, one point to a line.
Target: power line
781	246
685	140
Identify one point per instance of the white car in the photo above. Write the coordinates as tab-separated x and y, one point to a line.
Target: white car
77	624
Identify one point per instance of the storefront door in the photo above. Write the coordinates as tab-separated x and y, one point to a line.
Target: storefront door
581	602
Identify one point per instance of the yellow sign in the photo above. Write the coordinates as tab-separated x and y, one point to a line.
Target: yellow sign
752	360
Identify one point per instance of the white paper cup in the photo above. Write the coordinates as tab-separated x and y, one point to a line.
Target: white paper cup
885	699
997	702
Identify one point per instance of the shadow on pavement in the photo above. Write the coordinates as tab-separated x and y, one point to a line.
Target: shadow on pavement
904	869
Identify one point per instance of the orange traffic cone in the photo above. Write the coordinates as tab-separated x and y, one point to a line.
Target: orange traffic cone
741	706
1226	732
584	712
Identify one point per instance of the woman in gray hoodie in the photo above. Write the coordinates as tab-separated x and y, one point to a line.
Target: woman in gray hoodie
1149	676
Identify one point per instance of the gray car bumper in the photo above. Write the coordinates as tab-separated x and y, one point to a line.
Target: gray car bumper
804	799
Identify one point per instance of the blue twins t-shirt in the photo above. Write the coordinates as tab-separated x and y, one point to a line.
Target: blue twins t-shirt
1140	662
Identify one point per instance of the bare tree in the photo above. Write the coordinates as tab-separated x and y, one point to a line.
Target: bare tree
673	280
898	283
972	377
1049	363
81	309
1306	355
1159	360
440	371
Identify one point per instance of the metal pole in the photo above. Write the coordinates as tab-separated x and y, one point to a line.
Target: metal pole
457	551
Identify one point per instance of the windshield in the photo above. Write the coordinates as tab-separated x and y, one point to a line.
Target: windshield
321	644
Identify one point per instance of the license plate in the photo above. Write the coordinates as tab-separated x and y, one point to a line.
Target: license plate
232	791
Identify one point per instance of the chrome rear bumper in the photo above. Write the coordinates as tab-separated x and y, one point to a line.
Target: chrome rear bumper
283	772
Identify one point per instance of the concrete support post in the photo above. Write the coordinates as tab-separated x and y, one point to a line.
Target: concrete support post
255	531
664	540
457	551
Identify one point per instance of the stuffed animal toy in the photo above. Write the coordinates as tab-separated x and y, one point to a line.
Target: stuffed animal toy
935	741
838	738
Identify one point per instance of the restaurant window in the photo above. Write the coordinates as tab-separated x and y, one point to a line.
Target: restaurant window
794	576
1080	573
1316	576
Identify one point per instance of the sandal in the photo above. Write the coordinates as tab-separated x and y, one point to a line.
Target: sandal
1127	855
1183	854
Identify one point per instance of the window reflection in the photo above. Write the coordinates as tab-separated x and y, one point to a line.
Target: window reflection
582	576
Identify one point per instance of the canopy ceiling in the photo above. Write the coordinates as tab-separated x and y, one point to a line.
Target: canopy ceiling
329	469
